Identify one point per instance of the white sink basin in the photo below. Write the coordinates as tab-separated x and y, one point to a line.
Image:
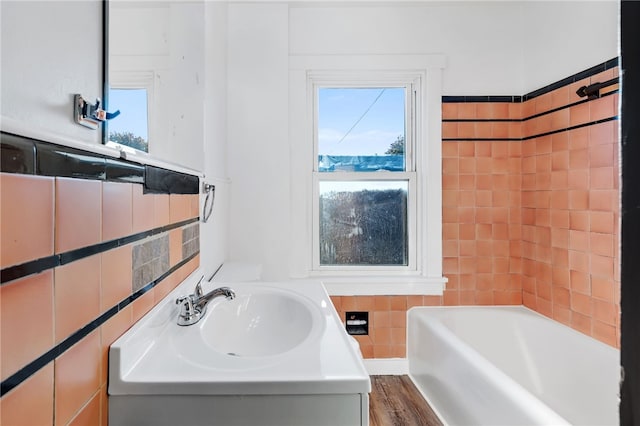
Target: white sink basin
260	323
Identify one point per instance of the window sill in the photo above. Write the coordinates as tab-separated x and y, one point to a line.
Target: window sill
379	286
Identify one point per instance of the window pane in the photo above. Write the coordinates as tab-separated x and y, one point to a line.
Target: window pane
361	129
130	127
363	223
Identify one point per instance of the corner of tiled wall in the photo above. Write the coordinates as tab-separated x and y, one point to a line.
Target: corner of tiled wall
68	220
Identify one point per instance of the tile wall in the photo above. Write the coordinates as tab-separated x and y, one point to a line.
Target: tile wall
530	207
57	325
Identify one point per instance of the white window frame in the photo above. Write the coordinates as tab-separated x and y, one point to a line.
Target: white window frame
424	275
411	84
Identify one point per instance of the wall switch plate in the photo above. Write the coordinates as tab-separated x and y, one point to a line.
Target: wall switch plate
357	323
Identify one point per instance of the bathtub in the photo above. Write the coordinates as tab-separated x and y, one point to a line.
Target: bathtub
509	365
277	354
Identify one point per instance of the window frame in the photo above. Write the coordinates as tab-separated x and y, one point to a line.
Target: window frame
411	85
334	68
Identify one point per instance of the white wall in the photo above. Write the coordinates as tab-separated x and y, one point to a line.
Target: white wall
50	51
166	40
567	37
214	234
258	146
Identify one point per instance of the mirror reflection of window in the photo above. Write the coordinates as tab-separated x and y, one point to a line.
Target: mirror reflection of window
130	128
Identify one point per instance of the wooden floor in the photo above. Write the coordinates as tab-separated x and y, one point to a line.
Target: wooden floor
395	401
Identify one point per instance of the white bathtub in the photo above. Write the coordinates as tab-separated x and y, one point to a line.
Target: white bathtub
509	365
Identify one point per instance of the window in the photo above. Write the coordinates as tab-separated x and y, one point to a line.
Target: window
365	176
130	127
391	179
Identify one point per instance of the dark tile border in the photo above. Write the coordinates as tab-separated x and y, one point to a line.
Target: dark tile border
611	63
15	272
24	373
30	156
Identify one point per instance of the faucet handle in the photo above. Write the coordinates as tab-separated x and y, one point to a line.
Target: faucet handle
198	291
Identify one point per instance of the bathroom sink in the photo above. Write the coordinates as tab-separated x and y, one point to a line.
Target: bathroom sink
259	323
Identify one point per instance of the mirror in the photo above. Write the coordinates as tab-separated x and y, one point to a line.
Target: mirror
155	75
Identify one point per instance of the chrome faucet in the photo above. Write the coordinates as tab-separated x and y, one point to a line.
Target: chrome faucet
193	306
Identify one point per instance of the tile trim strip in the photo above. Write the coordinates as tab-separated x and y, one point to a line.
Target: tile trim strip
33	367
611	63
566	129
37	157
15	272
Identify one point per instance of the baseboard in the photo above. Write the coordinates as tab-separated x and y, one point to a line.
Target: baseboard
386	366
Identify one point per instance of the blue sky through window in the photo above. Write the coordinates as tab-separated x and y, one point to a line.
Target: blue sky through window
359	121
132	104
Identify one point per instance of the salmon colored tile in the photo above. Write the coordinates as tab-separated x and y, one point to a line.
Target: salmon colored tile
77	377
605	333
89	414
514	110
560	160
161	210
109	332
382	351
603	200
116	276
381	336
398	320
581	303
559	97
578	179
467	110
561	297
449	149
559	222
602	108
466	182
416	300
605	312
450	165
450	182
365	303
581	322
381	319
467	297
367	351
562	315
450	298
560	119
398	303
77	295
398	351
78	213
579	220
27	211
31	402
142	305
382	303
398	336
179	207
449	110
603	133
602	155
602	288
175	246
117	210
579	114
603	178
467	165
450	265
580	282
579	199
466	149
23	340
601	266
579	261
602	244
165	286
560	277
143	206
194	203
